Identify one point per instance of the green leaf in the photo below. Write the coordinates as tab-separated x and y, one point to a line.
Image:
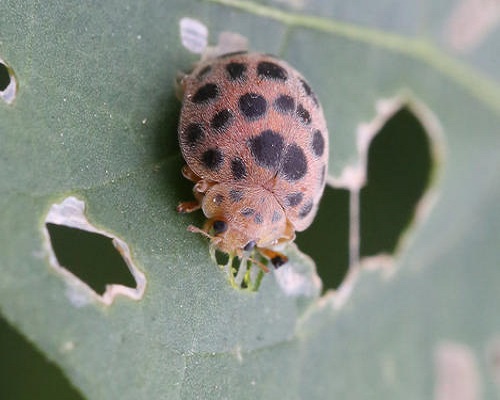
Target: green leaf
95	117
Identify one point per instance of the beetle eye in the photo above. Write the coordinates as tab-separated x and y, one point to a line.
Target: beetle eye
250	246
219	226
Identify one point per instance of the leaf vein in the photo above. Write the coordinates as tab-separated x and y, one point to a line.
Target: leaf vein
478	85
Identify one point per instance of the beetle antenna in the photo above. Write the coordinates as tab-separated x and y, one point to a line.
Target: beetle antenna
195	229
262	266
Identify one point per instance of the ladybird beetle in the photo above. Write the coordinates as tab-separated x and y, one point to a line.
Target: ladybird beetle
255	142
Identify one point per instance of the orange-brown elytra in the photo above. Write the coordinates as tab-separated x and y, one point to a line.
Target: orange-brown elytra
255	142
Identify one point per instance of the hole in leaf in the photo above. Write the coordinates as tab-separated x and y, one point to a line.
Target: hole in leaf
327	239
81	252
221	257
8	83
90	256
4	77
253	275
399	169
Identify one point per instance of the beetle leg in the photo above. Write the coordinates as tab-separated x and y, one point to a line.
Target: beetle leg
259	264
199	189
188	207
189	174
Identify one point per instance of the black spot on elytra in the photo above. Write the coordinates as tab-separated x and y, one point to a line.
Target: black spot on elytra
303	114
306	87
252	105
270	70
306	209
204	72
247	212
309	91
218	199
318	143
238	168
258	219
285	104
294	166
276	216
294	199
236	70
267	149
235	195
206	93
212	159
194	134
221	120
